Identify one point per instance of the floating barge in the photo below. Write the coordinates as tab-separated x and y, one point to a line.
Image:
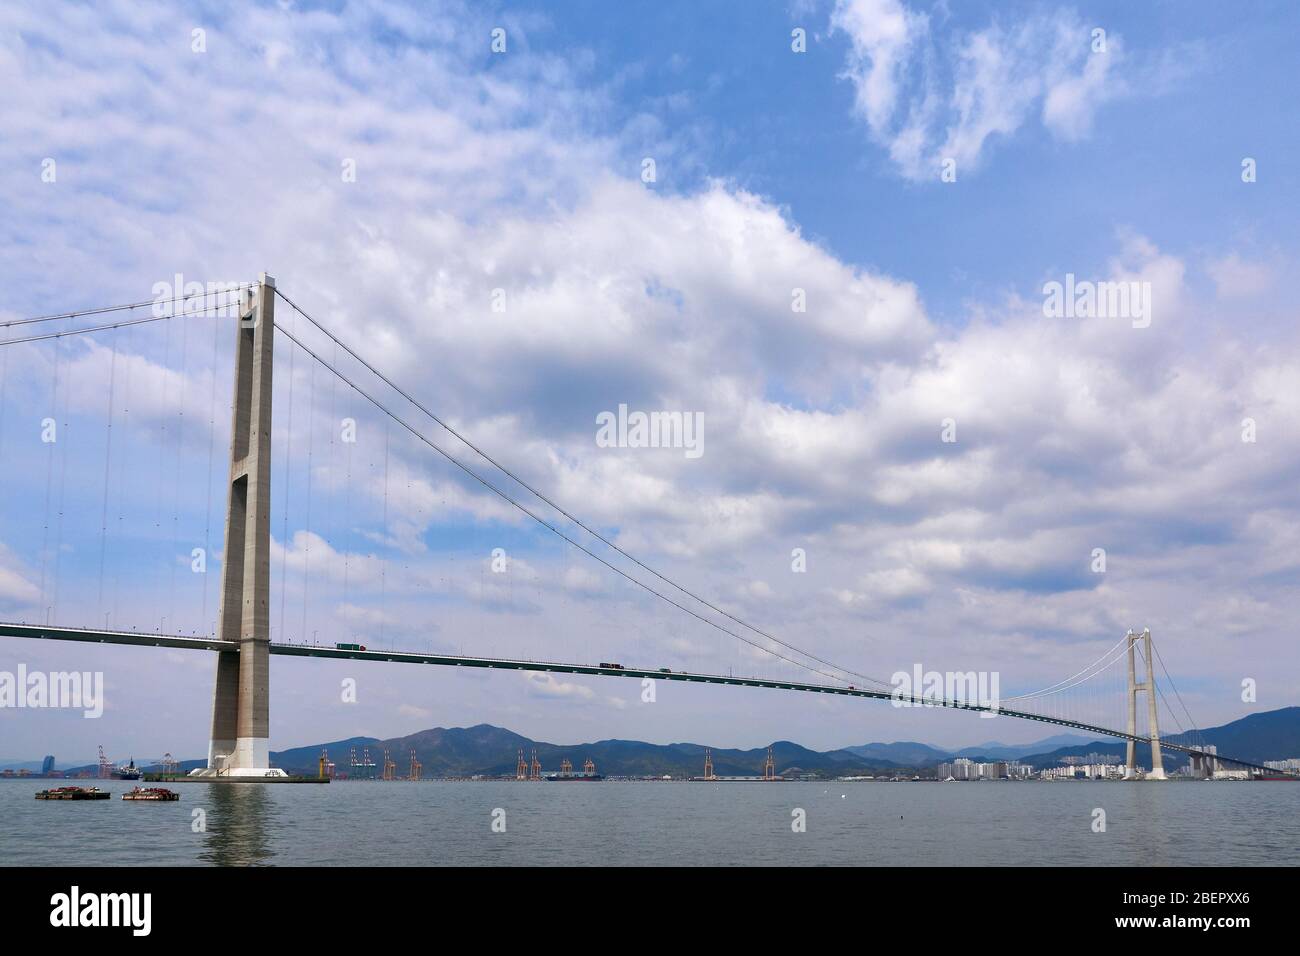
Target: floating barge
151	777
151	793
73	793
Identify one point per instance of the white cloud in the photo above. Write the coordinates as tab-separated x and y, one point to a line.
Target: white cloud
16	589
549	686
884	34
584	580
929	95
414	712
1238	278
1072	100
821	427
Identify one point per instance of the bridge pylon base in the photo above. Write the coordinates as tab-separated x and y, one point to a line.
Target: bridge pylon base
238	773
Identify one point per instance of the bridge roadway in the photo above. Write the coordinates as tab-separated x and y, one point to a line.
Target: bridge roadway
142	639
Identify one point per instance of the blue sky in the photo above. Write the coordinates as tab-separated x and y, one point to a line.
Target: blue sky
1165	157
775	171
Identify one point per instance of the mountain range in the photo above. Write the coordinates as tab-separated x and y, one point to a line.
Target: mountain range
493	751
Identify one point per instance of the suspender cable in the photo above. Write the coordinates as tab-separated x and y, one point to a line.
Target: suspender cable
383	561
347	512
51	441
4	387
306	557
288	470
1174	687
212	447
1087	673
63	485
176	483
540	496
332	516
162	446
542	521
108	456
121	470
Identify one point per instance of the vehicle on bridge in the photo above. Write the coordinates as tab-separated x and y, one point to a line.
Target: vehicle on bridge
350	647
611	667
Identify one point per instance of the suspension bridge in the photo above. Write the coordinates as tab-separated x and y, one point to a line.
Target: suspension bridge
147	402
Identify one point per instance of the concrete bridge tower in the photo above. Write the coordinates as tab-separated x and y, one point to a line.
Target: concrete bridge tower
241	702
1153	728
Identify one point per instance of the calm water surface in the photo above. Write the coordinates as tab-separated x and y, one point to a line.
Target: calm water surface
617	823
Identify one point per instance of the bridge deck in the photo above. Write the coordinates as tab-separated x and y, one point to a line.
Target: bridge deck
139	639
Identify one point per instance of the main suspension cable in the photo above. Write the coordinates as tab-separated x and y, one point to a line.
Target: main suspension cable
104	328
100	310
542	521
542	497
1057	687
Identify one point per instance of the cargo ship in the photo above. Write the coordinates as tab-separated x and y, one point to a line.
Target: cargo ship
73	793
129	772
151	793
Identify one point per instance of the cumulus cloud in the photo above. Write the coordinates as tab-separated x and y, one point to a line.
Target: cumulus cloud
414	712
1236	277
16	589
822	427
550	687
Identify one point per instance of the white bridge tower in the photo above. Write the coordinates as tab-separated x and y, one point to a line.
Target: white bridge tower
1153	728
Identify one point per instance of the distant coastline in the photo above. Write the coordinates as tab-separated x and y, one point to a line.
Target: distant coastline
488	752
